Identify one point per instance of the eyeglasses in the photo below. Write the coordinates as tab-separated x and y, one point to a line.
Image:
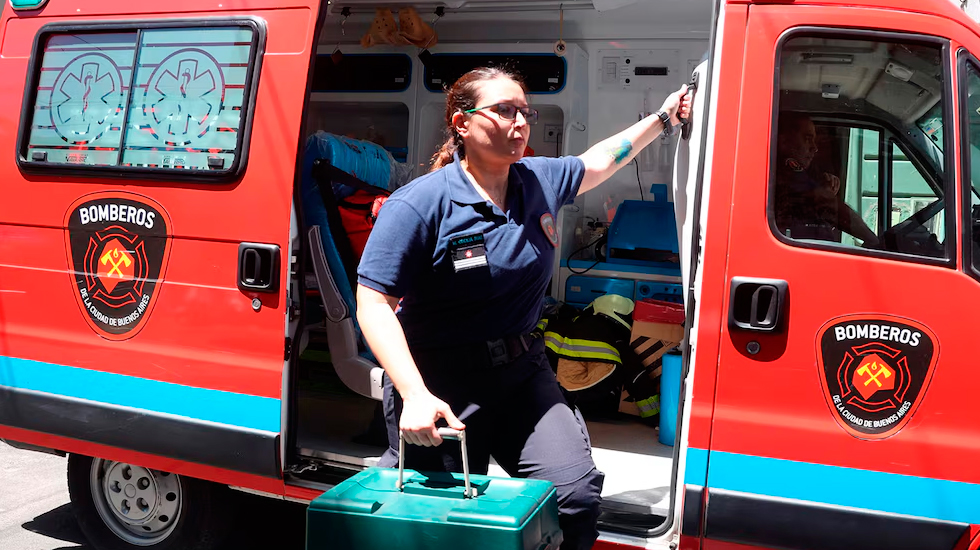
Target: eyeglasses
509	112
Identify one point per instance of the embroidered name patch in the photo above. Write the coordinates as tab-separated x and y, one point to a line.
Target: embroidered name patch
468	251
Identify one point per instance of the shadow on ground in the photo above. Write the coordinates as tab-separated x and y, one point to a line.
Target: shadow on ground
59	524
261	523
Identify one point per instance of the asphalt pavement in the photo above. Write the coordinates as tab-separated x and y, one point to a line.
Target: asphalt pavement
35	511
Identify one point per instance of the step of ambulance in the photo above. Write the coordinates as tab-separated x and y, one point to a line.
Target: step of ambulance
638	468
618	448
336	428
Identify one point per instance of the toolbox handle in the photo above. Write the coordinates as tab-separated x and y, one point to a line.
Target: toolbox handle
445	433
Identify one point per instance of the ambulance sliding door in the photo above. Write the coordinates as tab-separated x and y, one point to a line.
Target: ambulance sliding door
149	212
838	401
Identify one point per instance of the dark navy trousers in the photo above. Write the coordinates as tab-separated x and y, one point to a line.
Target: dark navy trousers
523	421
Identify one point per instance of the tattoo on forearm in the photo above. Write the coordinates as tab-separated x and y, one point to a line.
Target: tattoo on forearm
620	152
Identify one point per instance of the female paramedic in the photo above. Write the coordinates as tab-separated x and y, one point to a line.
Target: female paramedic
467	252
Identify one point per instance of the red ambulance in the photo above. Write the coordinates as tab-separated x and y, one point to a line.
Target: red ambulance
171	272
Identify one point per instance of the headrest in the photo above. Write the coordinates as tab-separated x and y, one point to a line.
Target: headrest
366	161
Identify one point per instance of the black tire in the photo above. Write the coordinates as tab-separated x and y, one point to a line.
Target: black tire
203	521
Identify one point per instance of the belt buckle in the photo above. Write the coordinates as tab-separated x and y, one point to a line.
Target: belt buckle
499	354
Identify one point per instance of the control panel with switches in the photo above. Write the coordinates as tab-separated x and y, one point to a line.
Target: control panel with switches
626	69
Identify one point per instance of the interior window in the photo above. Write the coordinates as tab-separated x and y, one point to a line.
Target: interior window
163	99
859	145
861	178
80	104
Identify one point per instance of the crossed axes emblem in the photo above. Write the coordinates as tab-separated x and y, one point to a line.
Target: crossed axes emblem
117	259
873	376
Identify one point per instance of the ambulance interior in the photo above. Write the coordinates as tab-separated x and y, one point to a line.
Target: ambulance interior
593	67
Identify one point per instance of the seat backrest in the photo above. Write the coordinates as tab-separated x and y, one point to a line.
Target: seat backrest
319	202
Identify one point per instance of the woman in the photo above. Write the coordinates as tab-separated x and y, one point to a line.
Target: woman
467	250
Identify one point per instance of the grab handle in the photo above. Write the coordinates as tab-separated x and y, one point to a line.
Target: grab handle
445	433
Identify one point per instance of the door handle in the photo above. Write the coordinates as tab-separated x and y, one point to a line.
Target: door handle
757	305
692	86
258	267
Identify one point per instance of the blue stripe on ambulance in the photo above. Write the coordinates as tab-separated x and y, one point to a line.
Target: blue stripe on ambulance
835	485
696	467
234	409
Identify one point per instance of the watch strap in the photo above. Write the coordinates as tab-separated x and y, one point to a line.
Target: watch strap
665	119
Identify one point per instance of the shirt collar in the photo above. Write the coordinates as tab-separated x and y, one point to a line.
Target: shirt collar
461	189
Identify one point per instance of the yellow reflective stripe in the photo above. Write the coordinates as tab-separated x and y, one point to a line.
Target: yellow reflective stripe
581	349
542	324
574	342
649	407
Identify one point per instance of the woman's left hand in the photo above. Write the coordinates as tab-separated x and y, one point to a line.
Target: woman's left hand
677	105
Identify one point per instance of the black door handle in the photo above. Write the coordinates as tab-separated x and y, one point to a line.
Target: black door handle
757	305
692	87
251	267
258	267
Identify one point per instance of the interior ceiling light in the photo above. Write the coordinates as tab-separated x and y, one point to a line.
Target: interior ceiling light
830	91
899	71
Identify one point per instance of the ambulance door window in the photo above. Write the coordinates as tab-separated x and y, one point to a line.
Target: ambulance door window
858	161
971	156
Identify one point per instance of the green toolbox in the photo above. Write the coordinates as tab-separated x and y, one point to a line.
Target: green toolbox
381	508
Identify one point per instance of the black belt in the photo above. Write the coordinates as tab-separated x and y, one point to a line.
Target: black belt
507	349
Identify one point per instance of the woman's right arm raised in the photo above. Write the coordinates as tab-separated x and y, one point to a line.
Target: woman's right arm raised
384	334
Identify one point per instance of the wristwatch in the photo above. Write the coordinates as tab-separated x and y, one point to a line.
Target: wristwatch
665	118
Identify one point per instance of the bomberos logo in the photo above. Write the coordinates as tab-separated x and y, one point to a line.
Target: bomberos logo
118	245
875	371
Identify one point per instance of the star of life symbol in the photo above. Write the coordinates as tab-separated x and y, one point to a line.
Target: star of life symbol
116	265
184	96
86	94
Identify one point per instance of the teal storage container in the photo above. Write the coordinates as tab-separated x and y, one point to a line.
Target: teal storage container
368	512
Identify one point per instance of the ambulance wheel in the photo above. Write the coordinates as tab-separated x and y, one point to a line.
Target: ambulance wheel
121	506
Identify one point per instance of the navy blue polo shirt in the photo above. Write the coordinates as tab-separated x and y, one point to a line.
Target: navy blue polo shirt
465	270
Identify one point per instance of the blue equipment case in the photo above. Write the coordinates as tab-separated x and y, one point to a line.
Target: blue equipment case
644	233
